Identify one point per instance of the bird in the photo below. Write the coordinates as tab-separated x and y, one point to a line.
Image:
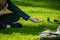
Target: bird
57	21
48	19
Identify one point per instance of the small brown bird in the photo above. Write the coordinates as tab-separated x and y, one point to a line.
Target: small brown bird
57	21
48	19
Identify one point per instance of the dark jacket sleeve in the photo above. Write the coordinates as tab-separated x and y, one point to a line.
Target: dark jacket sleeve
15	9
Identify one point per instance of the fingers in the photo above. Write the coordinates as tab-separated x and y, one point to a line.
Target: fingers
38	20
35	20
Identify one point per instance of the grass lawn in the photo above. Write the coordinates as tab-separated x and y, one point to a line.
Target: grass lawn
30	30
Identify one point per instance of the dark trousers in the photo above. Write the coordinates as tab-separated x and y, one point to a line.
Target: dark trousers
9	18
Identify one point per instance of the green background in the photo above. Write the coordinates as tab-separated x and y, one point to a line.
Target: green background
41	9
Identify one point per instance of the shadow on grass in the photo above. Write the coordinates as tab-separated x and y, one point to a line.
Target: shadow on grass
53	4
28	29
25	30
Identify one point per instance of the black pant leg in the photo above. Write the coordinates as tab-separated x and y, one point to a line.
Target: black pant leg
10	18
2	25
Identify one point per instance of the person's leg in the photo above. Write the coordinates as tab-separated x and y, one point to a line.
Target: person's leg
10	18
2	25
16	25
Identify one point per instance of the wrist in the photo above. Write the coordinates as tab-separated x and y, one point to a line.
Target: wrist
30	18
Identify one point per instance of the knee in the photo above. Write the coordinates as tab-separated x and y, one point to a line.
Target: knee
17	17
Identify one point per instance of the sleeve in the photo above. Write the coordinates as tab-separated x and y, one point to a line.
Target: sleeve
15	9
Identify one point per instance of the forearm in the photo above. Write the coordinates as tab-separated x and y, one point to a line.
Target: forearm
15	9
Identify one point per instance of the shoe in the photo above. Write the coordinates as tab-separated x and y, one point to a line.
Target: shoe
13	25
8	26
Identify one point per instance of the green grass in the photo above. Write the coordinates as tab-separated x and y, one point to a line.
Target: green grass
17	36
30	30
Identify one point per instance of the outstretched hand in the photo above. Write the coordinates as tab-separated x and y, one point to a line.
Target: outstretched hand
35	20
